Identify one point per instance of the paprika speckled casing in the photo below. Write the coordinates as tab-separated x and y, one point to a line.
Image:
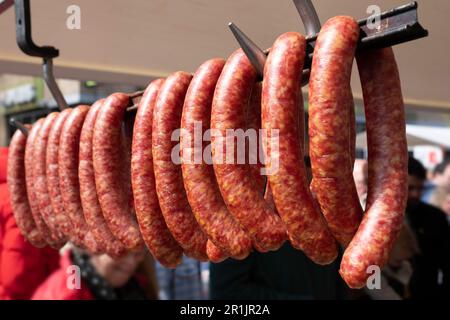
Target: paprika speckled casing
388	167
169	179
237	186
18	191
330	105
153	227
112	179
68	159
201	187
40	180
88	193
281	99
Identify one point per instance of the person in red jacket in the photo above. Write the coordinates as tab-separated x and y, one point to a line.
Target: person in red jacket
22	266
82	276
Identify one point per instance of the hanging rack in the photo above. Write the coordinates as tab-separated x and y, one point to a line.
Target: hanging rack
396	26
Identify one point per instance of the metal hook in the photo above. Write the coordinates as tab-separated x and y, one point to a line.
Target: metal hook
49	78
27	45
19	125
309	16
254	53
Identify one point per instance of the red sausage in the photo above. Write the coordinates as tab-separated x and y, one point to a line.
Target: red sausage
40	178
237	186
330	105
198	176
88	194
215	254
388	167
30	178
169	179
111	178
68	158
154	230
18	191
62	219
281	96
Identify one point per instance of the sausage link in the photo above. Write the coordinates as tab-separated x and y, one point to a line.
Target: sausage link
154	229
111	179
330	105
18	191
68	158
30	179
52	172
388	167
40	178
236	184
287	175
169	179
215	254
198	176
88	194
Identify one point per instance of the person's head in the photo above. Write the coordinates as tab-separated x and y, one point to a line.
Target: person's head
441	173
360	175
416	179
441	199
117	272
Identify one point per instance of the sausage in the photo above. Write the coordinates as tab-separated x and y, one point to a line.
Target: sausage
88	194
287	175
30	179
388	167
18	191
68	158
111	179
200	184
215	254
253	121
154	230
236	184
330	105
40	178
168	176
52	173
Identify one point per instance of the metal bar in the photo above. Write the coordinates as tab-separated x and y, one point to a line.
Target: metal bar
396	26
49	78
309	16
254	53
23	33
19	125
312	25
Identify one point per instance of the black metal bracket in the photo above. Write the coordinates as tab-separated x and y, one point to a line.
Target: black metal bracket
23	33
396	26
27	45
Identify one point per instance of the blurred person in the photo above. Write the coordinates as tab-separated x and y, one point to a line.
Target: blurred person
441	199
23	267
431	276
185	282
361	177
440	178
82	276
397	273
285	274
